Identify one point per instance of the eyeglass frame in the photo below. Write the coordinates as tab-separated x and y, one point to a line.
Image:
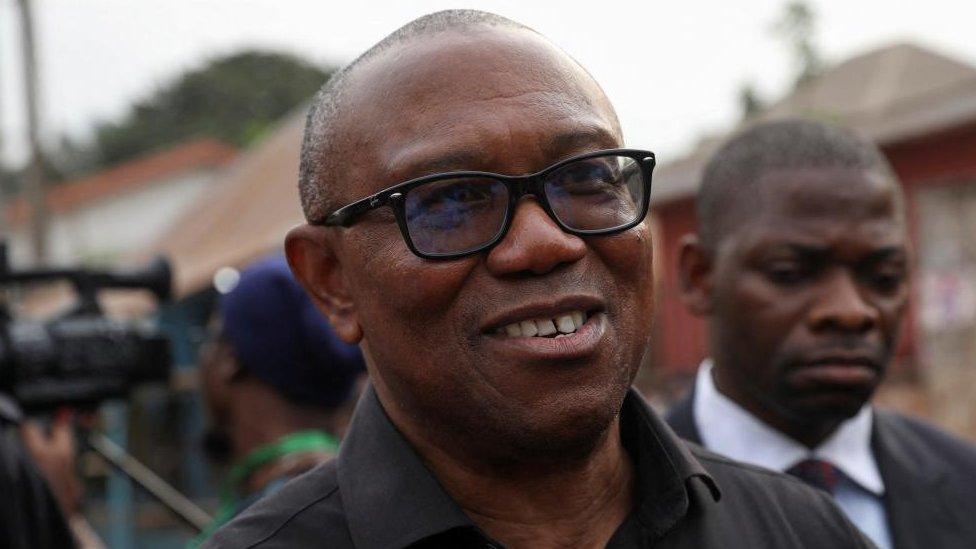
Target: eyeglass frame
517	186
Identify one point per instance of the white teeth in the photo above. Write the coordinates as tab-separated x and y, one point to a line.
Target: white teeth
565	324
529	328
559	326
546	327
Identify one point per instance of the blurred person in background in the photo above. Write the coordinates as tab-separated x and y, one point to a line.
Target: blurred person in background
800	264
53	449
278	385
32	513
503	317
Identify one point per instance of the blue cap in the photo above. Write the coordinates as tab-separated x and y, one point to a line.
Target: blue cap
281	338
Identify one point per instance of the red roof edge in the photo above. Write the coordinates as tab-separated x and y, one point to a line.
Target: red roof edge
128	175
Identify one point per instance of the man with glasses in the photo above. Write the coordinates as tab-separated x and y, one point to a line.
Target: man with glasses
502	317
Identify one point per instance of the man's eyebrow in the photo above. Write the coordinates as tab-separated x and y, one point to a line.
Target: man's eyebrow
581	138
897	253
807	250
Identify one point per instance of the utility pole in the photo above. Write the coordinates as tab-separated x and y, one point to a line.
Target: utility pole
34	174
3	194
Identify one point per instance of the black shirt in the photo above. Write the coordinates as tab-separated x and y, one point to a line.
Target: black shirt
379	494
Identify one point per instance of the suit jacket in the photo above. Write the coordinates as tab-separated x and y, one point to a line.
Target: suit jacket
929	476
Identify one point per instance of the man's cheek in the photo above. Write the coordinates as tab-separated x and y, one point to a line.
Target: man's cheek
630	253
423	285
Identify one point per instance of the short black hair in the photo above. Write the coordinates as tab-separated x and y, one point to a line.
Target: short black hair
730	178
317	169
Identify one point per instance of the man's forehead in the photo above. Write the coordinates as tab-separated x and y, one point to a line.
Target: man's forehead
817	208
442	100
429	156
503	59
835	194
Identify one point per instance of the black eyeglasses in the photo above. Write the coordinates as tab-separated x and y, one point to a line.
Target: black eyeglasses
449	215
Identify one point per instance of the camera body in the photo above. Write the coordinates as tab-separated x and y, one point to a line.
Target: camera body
82	357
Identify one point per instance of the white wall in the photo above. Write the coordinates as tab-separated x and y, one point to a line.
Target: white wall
108	228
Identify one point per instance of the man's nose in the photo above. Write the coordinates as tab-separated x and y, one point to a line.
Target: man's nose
534	243
841	306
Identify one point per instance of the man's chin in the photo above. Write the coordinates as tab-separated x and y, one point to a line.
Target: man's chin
577	429
828	406
563	443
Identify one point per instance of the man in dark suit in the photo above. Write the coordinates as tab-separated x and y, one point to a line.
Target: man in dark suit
800	265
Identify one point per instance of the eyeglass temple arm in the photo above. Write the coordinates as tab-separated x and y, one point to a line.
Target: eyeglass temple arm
344	216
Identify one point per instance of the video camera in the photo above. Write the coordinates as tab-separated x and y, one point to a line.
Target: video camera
81	357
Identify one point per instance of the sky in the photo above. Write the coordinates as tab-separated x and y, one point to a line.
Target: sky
672	69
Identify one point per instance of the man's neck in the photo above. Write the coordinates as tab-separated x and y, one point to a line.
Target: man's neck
264	417
810	434
528	505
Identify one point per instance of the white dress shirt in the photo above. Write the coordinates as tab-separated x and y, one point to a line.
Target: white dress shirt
728	429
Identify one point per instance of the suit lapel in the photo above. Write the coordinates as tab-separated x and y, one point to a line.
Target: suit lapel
921	510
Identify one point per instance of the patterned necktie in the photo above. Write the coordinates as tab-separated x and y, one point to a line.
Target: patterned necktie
817	473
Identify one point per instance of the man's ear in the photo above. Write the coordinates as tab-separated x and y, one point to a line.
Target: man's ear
317	268
695	270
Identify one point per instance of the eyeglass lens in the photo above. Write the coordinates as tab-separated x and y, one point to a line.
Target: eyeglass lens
452	216
596	193
455	215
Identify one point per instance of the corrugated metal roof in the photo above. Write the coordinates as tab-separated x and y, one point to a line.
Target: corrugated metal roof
890	94
143	170
243	216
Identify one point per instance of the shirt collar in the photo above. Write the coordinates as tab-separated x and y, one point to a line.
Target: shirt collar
392	500
390	497
664	466
729	429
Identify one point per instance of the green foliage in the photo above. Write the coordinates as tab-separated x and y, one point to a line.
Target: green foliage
234	98
750	103
12	179
797	28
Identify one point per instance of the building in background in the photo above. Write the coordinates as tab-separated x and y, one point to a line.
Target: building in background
920	107
105	217
105	220
243	216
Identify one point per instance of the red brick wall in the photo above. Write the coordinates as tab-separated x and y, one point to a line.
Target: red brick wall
944	157
678	343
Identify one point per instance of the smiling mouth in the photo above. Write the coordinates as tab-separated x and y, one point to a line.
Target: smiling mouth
562	325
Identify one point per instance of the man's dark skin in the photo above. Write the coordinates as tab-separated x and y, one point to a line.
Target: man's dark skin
247	413
804	299
524	437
